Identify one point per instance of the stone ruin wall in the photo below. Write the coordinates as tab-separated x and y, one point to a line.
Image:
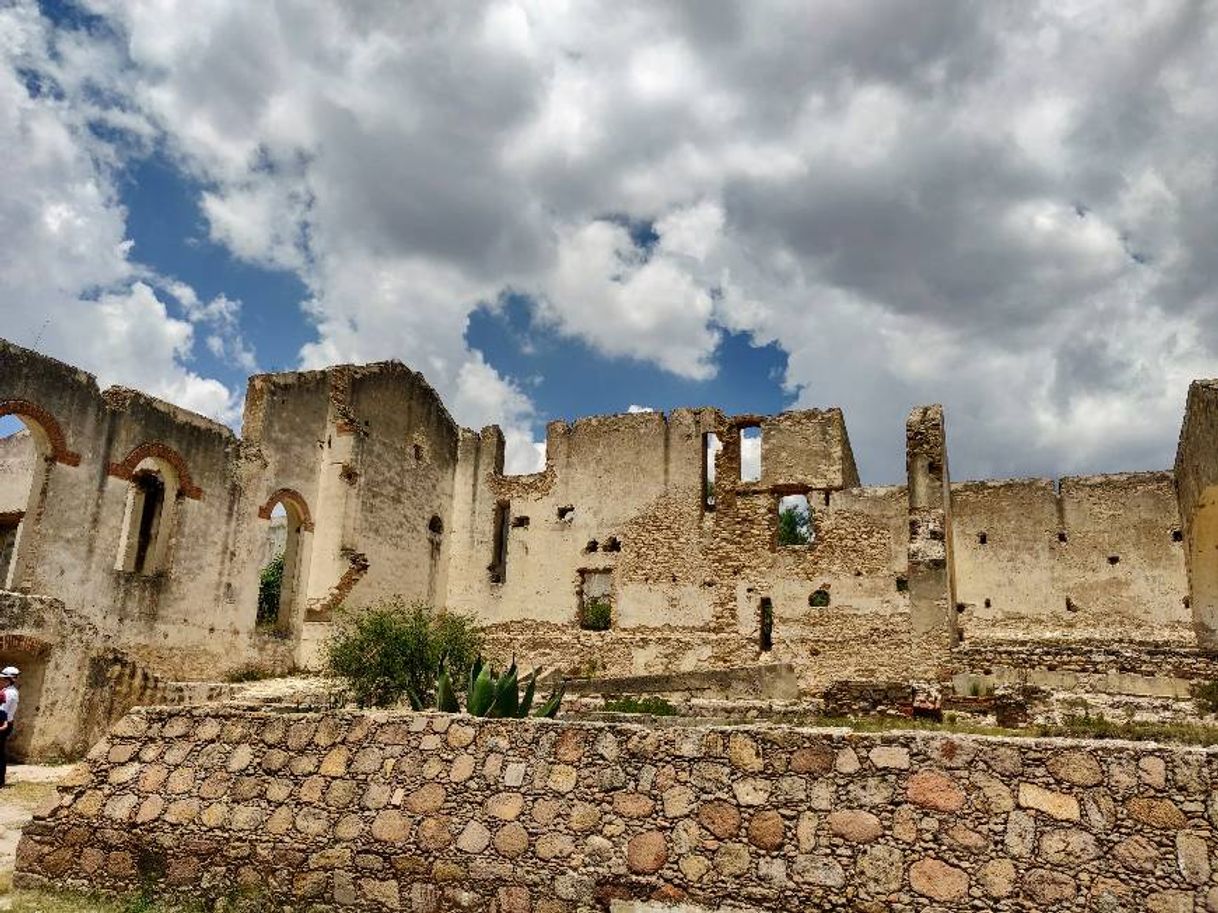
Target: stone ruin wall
368	452
1095	557
623	495
1196	473
431	812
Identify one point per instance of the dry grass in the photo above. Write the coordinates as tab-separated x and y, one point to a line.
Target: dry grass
27	795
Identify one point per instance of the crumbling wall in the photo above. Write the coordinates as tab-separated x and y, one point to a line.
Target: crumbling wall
17	454
438	812
1196	474
1099	558
625	497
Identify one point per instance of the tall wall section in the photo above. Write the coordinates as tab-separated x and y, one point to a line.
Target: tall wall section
1197	488
1095	557
694	581
386	812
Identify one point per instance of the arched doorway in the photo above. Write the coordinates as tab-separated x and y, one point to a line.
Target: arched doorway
31	443
282	577
30	655
1203	568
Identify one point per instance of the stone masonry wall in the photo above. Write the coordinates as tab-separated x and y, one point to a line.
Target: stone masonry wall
429	812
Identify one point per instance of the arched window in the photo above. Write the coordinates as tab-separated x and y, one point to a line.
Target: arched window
31	443
152	494
282	576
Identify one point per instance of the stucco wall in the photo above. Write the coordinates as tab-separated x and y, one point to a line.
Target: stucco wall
623	495
16	466
1027	572
1196	474
436	812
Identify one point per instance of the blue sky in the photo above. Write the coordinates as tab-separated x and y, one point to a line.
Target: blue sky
556	212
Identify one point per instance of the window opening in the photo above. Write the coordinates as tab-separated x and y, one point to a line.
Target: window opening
710	448
435	525
819	599
613	544
146	519
1061	536
282	576
982	538
794	520
1177	535
902	584
750	454
498	565
596	600
592	545
520	522
24	449
1114	559
566	513
766	639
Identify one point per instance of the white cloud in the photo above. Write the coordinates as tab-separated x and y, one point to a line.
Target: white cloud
1007	208
67	282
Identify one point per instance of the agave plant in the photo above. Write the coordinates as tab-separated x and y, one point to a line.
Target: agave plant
492	695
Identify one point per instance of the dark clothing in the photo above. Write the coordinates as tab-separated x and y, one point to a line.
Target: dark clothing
4	734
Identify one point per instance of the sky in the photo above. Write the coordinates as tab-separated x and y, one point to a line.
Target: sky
554	209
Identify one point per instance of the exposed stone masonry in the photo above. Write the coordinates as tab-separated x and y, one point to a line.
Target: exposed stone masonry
427	812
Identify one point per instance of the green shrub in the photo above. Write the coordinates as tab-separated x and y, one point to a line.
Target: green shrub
390	650
819	599
270	585
794	526
596	616
656	706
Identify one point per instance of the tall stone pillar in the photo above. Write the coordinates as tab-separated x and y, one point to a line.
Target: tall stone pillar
932	586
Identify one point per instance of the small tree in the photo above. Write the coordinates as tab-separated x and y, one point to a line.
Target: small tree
391	650
794	526
270	585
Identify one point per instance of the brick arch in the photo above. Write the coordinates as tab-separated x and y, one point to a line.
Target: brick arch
297	500
47	423
23	643
157	450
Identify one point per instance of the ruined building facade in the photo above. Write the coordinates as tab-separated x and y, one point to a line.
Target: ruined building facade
132	534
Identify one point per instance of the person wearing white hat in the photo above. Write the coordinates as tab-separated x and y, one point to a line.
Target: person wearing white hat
8	713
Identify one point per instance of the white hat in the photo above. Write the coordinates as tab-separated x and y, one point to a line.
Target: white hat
10	672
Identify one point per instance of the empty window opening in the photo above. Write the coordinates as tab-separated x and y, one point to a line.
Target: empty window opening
1114	559
710	449
819	599
498	565
766	635
145	539
1177	535
1070	605
794	520
750	454
435	526
613	544
826	498
24	465
1061	536
987	602
960	607
982	538
566	513
418	452
281	578
596	600
902	584
592	546
521	522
